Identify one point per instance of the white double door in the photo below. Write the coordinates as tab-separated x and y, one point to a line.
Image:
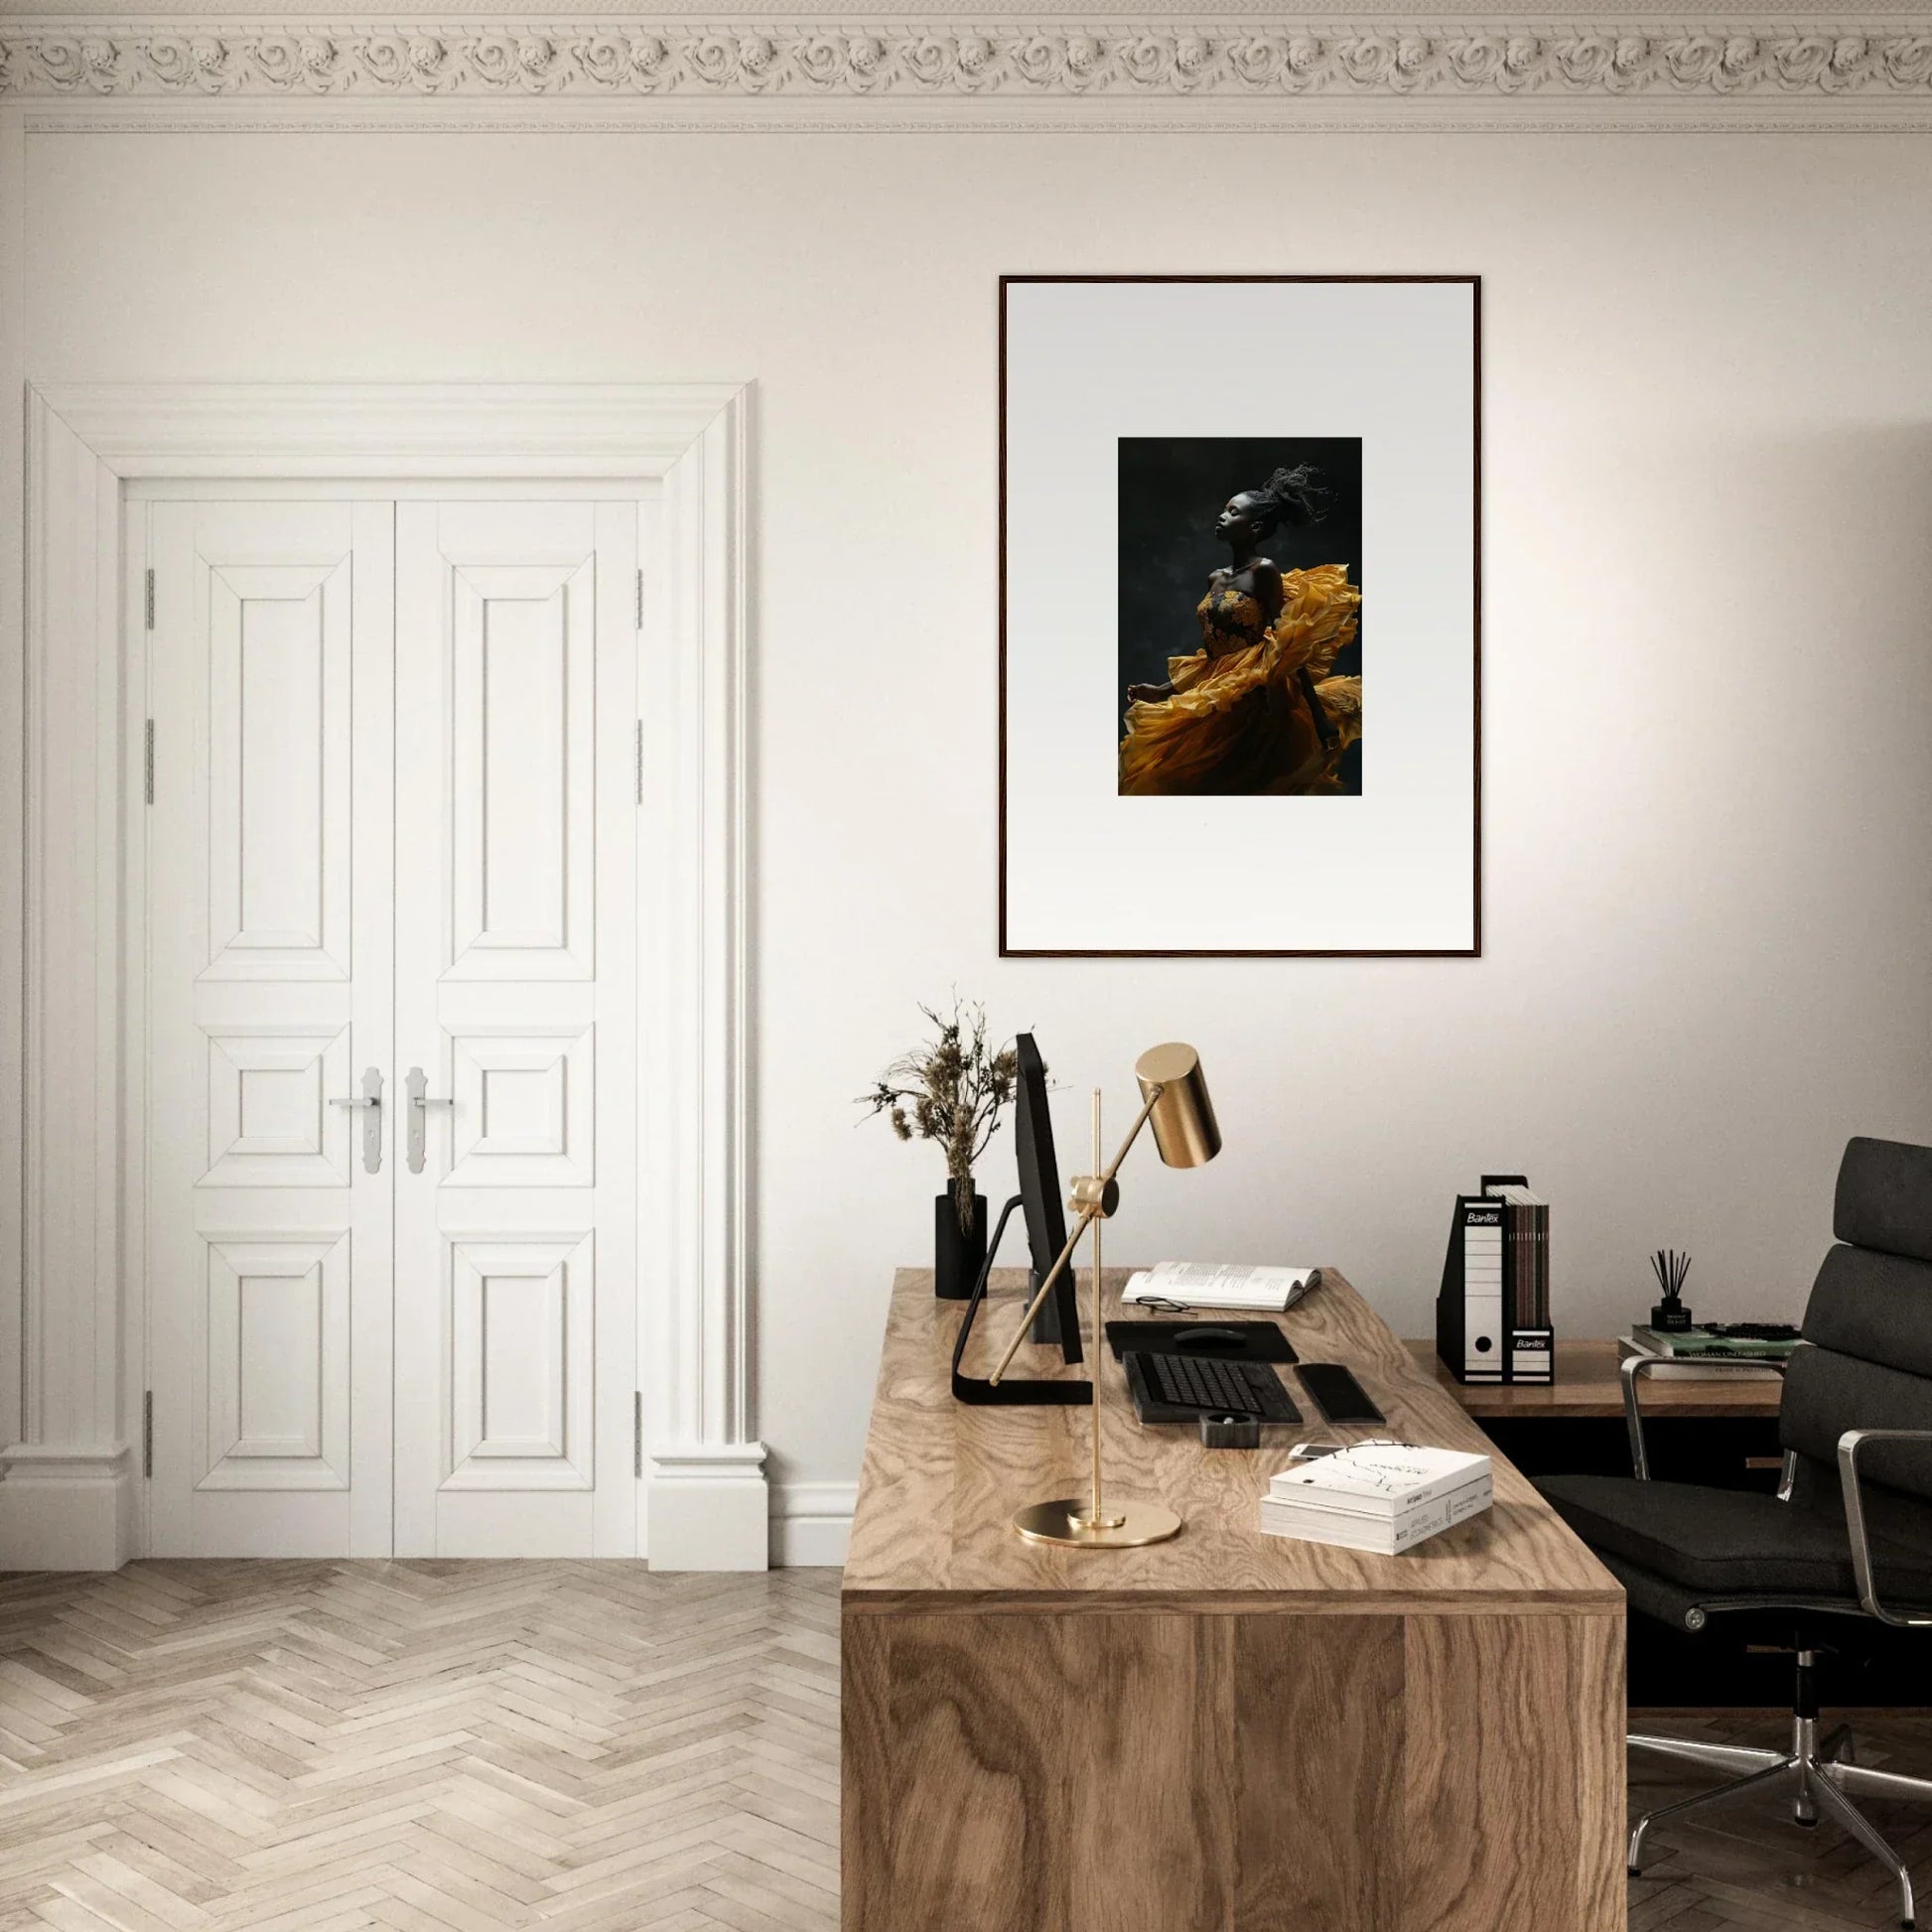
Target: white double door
390	859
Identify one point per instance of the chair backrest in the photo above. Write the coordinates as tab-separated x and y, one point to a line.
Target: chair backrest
1870	1326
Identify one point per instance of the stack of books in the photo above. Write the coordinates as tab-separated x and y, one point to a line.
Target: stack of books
1383	1497
1683	1353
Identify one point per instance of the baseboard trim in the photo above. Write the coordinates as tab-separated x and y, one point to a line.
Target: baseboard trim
811	1524
708	1507
66	1508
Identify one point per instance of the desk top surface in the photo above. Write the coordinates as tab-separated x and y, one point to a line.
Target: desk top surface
941	1480
1588	1384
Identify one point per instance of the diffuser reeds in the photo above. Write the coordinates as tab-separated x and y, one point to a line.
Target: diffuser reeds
1670	1267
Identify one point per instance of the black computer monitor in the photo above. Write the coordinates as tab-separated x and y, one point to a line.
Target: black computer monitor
1040	1195
1039	1199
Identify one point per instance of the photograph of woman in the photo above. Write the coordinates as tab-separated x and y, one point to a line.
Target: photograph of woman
1271	703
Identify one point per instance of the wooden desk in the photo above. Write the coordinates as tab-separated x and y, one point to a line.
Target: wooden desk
1587	1385
1227	1733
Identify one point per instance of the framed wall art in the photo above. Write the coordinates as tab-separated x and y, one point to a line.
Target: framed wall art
1240	614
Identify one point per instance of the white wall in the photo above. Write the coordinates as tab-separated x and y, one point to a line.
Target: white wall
1708	811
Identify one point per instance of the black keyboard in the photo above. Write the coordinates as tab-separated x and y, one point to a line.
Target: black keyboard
1200	1385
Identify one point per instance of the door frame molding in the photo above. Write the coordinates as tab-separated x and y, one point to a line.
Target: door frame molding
71	1427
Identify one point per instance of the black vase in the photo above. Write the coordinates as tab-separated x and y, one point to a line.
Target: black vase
957	1255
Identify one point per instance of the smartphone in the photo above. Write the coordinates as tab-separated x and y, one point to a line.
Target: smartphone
1338	1394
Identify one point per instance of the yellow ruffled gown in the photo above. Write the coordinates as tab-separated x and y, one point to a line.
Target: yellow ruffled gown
1219	732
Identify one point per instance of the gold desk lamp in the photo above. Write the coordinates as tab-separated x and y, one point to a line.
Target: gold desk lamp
1175	1102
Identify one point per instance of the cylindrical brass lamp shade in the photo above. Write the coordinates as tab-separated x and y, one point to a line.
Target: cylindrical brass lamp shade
1183	1119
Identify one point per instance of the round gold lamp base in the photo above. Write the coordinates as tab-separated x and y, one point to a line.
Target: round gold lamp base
1128	1526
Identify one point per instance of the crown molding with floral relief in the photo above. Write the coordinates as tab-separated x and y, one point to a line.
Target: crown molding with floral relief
1193	70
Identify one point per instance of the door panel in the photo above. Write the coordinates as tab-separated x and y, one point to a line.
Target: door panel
520	1313
277	1341
515	1244
523	766
280	751
270	992
524	1107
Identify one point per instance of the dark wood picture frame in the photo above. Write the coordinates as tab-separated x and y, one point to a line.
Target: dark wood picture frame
1474	949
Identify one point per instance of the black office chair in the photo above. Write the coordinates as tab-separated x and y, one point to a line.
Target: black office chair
1848	1536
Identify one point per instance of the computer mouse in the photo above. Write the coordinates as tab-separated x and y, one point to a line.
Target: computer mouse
1208	1336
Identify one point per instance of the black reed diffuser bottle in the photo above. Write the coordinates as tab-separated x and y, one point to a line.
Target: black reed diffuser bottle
1670	1316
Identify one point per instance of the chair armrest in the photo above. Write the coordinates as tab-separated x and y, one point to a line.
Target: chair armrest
1848	1445
1634	1367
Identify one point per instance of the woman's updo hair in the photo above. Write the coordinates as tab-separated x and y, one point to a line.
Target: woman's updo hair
1293	496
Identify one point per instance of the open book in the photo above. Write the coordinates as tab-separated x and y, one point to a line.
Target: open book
1212	1285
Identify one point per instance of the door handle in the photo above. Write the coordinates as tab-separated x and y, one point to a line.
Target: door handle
371	1100
420	1102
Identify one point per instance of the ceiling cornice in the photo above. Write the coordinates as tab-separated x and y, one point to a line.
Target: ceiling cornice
1184	69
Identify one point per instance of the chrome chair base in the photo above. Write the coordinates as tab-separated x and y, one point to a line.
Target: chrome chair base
1819	1774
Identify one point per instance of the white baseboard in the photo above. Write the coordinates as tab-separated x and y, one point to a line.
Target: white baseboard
66	1508
708	1510
709	1507
811	1523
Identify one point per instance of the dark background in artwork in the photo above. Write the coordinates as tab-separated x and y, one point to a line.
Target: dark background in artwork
1172	489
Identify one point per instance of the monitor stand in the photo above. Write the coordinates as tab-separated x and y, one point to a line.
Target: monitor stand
1011	1391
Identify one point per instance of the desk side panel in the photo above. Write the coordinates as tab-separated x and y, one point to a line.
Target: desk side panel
1146	1771
1514	1777
865	1769
1319	1733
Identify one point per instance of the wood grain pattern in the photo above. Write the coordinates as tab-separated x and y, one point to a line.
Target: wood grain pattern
979	1796
1320	1735
1268	1772
1588	1386
865	1732
1514	1767
1151	1700
940	1481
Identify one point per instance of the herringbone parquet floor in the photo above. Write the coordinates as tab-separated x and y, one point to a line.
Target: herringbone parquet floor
434	1746
459	1747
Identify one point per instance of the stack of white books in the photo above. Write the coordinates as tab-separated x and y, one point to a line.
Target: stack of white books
1381	1496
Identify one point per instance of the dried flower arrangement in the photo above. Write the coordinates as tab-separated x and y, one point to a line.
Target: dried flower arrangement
952	1090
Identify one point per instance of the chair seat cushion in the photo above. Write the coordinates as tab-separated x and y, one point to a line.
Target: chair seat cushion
1728	1542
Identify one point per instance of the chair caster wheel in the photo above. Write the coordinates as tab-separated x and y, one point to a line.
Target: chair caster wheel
1809	1824
1633	1871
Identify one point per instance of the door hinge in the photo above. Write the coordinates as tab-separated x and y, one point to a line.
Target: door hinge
149	593
147	1433
640	600
639	760
637	1435
147	762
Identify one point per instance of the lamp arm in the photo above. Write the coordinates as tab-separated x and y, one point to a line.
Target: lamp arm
1132	1134
1088	1215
